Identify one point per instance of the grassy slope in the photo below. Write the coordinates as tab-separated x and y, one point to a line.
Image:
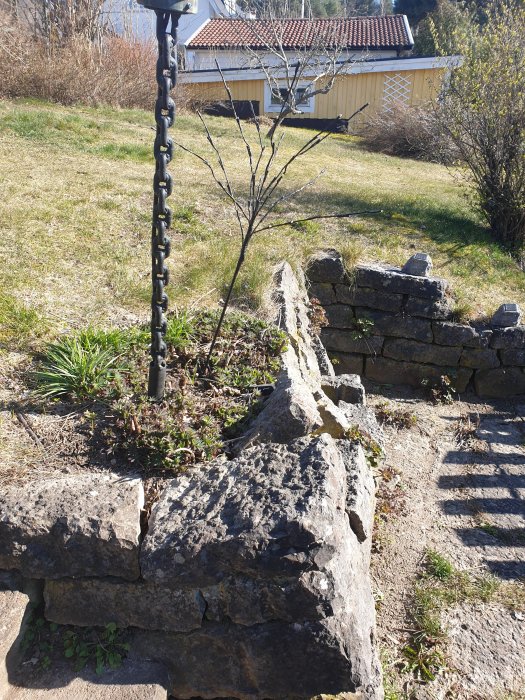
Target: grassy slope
75	214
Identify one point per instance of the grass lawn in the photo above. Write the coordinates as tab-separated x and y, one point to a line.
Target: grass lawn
76	206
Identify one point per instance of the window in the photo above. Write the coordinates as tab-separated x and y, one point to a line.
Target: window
280	96
275	97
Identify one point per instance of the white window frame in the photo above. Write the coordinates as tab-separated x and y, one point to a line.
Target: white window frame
306	108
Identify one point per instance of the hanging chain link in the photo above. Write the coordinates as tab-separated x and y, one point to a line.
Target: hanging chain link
162	187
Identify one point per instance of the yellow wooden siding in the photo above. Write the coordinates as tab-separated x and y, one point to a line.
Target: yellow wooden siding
349	93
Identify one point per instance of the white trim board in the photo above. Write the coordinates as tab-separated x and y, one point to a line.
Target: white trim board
407	64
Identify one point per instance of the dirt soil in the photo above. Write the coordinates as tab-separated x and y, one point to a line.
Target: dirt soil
456	486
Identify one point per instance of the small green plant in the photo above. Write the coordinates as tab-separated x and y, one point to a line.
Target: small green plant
39	638
106	648
437	566
424	658
440	586
362	329
398	417
373	452
180	331
46	641
77	366
441	391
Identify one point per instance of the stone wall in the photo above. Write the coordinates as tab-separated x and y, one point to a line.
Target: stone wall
251	579
397	328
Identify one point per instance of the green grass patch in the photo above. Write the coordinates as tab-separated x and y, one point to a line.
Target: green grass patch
439	587
80	180
21	326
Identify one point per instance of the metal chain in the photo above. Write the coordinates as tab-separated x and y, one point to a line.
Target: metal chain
162	187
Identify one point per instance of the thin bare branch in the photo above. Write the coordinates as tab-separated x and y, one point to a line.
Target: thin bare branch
320	216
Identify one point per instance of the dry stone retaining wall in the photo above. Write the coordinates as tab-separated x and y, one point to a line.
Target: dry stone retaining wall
396	328
252	579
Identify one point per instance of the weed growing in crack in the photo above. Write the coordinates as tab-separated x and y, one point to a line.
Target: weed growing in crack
373	452
362	329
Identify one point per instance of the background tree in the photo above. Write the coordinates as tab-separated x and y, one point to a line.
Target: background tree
415	10
450	20
483	112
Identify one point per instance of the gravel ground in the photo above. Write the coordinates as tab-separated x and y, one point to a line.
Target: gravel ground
458	489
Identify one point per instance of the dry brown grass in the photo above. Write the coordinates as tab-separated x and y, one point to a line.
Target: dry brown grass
409	133
116	72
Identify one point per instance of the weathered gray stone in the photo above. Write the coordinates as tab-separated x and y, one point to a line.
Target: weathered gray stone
397	326
513	357
500	383
439	309
96	602
345	341
293	516
326	266
135	679
508	338
360	499
13	611
11	581
345	387
237	516
325	366
347	363
414	351
370	298
274	660
242	600
296	407
322	291
340	316
480	341
447	333
83	525
248	601
419	265
385	371
479	358
507	315
391	279
365	420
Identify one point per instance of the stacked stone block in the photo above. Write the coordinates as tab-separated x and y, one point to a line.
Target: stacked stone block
397	328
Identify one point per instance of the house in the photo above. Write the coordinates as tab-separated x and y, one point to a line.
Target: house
374	52
128	18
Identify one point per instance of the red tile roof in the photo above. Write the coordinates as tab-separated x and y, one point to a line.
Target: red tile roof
373	33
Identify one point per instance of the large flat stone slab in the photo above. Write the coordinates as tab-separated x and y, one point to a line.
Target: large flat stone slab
295	517
83	525
271	511
96	602
242	600
275	660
